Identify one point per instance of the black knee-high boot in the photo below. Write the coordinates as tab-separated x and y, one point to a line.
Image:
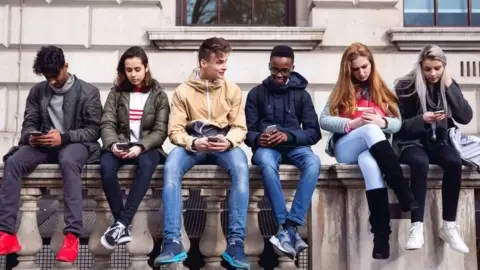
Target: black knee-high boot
380	221
387	160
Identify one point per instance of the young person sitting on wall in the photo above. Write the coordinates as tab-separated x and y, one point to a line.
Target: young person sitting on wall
134	128
61	125
207	123
282	125
359	113
430	100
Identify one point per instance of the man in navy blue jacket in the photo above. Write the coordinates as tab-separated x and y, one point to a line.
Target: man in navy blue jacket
282	125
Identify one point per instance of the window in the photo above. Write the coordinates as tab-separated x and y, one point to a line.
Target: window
442	12
236	12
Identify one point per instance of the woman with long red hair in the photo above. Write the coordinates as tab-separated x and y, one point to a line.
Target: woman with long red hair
361	114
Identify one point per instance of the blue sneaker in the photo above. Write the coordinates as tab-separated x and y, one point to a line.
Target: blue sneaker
285	241
235	255
300	245
172	252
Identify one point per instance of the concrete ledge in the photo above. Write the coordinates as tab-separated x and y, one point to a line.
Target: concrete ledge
241	38
212	176
449	38
377	4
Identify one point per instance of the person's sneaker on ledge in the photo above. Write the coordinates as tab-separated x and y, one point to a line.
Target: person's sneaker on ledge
449	233
235	255
300	245
125	237
112	235
172	252
69	250
285	241
9	243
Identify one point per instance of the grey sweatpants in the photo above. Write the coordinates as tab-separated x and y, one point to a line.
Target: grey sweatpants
71	158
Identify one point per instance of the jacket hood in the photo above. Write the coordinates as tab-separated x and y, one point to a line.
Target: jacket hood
295	82
199	85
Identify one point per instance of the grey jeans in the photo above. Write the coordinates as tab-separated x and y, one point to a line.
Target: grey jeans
71	158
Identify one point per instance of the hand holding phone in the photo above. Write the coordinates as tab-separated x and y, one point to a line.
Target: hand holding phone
123	146
35	133
213	139
439	112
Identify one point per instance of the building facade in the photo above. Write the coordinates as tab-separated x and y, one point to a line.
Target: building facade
94	33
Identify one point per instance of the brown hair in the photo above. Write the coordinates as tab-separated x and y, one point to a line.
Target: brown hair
121	82
213	45
343	98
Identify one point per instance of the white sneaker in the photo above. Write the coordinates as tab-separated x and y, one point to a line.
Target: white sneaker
415	241
449	234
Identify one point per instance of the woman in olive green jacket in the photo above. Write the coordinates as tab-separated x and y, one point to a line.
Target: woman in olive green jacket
134	127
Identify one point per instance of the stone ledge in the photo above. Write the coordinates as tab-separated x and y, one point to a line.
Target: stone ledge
212	176
448	38
241	38
88	2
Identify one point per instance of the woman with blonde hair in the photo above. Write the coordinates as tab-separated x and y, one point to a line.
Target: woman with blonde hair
361	113
430	100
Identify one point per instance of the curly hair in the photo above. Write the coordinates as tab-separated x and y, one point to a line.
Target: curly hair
49	61
213	45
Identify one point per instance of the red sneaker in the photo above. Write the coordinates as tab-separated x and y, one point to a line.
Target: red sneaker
69	250
9	243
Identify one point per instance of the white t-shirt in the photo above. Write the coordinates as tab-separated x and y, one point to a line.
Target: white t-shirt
137	103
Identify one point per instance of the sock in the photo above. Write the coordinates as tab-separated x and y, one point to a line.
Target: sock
290	224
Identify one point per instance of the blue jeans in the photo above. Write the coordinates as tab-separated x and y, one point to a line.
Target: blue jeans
353	147
179	161
268	160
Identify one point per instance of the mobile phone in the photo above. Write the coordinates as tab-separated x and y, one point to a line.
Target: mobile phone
123	146
35	133
213	139
271	128
366	109
439	112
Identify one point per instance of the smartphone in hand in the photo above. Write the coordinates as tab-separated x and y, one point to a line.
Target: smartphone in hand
270	128
439	112
35	133
213	139
123	146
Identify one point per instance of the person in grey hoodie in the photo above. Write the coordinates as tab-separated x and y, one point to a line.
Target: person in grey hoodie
361	113
61	125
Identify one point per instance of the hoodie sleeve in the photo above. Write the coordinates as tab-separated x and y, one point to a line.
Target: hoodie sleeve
236	117
253	118
310	132
461	111
178	121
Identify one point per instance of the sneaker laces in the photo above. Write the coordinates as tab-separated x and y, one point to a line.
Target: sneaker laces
414	231
116	231
70	240
237	248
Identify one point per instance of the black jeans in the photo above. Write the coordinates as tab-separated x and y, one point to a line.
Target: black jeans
109	164
71	158
449	160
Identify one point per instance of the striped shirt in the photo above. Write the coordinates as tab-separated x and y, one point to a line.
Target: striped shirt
137	103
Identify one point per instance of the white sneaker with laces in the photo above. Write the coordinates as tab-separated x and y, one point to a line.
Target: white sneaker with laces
415	241
449	233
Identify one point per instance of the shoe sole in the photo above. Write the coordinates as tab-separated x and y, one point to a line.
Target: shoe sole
276	243
105	244
124	240
176	259
443	238
413	248
230	261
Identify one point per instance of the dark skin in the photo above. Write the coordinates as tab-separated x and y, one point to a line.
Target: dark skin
280	69
52	138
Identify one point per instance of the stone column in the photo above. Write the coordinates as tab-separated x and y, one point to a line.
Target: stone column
58	236
185	239
28	233
212	241
103	219
142	241
254	244
284	262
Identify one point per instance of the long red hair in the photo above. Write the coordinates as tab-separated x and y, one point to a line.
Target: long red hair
343	97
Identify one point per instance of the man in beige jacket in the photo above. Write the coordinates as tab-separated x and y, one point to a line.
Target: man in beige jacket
207	123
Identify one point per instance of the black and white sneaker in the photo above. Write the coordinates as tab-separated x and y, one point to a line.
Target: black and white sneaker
125	237
111	236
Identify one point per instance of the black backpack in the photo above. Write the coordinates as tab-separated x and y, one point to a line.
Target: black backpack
297	99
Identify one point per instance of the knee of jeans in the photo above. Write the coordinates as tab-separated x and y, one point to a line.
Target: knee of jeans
419	165
454	162
372	130
241	171
313	164
146	162
265	160
69	164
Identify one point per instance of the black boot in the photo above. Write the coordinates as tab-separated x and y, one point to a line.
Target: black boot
380	221
387	160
